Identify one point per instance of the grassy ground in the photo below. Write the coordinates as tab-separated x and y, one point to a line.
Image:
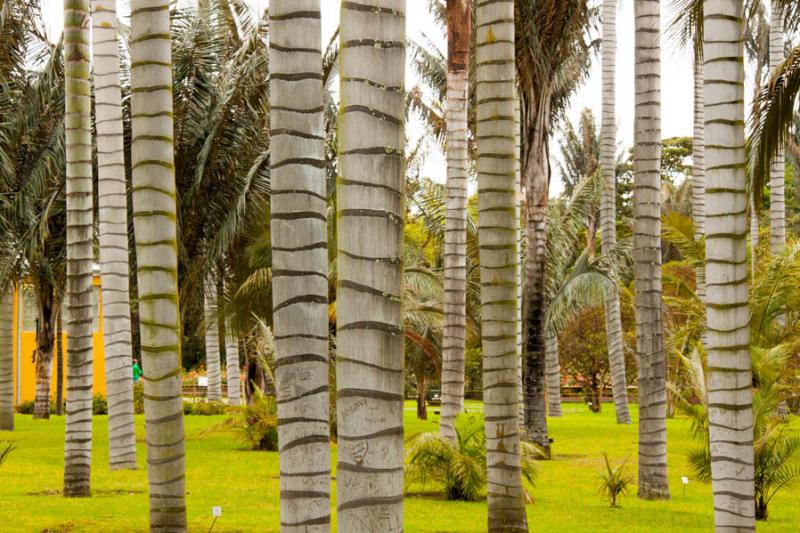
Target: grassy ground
245	484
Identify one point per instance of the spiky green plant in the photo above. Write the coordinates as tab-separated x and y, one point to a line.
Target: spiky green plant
614	481
255	424
459	468
6	449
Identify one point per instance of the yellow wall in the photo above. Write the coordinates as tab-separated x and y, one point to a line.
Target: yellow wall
26	370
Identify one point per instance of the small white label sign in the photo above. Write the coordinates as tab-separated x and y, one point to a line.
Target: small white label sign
216	510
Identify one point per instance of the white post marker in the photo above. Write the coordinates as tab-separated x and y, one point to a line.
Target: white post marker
216	511
685	481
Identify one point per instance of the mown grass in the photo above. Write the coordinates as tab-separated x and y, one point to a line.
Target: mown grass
245	484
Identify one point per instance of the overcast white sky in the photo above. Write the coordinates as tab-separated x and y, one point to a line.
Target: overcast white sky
676	78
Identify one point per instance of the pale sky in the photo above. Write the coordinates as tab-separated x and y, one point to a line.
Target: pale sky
677	80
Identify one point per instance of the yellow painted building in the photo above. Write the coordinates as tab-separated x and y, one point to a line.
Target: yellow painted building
25	315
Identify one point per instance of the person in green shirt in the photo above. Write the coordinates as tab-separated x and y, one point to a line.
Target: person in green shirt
137	371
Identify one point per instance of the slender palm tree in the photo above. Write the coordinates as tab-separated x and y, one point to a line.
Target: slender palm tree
154	209
112	213
80	224
459	36
369	292
300	264
777	200
553	373
7	358
608	214
211	322
730	398
232	361
653	482
496	160
699	170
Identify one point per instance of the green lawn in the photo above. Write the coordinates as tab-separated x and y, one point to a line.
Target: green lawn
245	484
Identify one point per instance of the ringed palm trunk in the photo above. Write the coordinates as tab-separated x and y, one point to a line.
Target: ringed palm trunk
699	172
653	482
777	201
212	341
232	360
154	208
608	211
78	138
113	218
518	238
459	30
370	211
753	234
730	400
553	375
7	358
300	264
499	260
47	312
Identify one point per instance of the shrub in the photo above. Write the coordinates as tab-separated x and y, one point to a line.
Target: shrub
99	405
255	425
459	468
25	408
204	408
138	398
614	481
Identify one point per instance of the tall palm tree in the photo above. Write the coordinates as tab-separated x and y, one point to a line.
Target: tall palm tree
608	214
459	36
653	482
154	208
300	263
699	170
777	200
7	358
112	212
553	57
80	224
496	160
211	322
730	399
232	362
369	265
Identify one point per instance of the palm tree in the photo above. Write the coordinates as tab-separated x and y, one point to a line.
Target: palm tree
496	158
300	262
80	224
729	373
777	201
112	213
211	321
553	57
232	361
459	30
608	215
7	358
653	482
369	266
154	209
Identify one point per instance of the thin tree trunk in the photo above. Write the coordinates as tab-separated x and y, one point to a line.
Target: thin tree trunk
45	342
369	296
59	366
730	400
113	222
536	170
80	225
699	178
232	360
553	375
608	211
753	234
422	392
211	322
459	31
7	358
300	264
154	208
653	482
499	260
777	200
518	237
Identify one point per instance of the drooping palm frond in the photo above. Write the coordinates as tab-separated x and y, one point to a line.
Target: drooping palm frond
678	229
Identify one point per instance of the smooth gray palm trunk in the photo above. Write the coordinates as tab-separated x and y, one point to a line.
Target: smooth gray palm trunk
608	211
370	215
455	224
78	139
300	264
653	482
553	375
499	258
155	224
112	212
211	321
730	399
232	366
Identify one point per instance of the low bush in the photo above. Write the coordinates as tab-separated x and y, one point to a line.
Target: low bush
204	408
99	405
255	425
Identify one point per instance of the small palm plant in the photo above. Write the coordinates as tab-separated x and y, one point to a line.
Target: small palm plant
460	467
255	424
614	481
5	450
